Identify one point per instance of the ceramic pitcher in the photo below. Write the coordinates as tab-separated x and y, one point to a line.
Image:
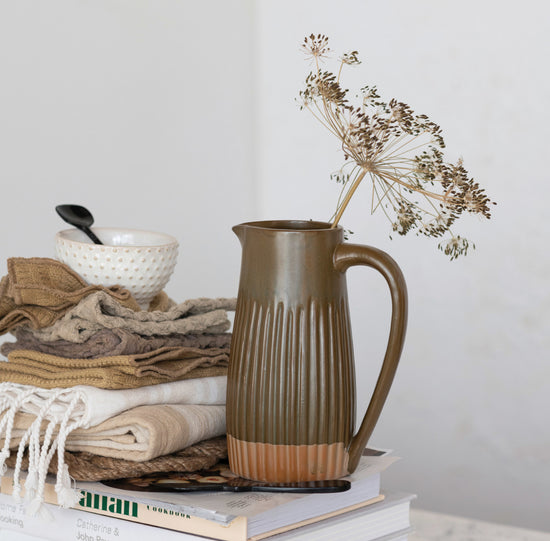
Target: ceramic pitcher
291	383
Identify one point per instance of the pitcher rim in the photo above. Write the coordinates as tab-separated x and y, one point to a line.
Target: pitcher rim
296	226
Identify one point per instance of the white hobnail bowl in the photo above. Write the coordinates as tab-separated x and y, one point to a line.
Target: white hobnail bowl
140	261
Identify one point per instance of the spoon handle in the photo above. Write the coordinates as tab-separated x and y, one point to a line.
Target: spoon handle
90	234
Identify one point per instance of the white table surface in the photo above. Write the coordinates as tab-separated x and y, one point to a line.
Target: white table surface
430	526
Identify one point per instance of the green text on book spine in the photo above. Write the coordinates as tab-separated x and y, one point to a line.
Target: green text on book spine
113	505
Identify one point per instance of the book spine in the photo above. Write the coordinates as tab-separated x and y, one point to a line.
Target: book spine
127	511
74	525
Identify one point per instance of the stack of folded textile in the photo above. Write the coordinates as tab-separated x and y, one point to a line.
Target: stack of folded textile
95	388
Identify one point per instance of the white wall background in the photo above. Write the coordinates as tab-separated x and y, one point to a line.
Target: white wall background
179	116
469	408
139	110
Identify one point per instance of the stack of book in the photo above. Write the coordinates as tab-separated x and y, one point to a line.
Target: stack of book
108	513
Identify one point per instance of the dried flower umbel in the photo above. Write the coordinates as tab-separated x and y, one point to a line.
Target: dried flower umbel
398	150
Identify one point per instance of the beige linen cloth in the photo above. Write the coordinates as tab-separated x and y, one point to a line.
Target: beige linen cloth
114	372
38	291
100	311
139	434
63	411
111	342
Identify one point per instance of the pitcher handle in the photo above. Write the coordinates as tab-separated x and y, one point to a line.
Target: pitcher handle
349	255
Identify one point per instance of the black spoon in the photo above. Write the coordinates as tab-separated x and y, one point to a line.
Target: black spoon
80	217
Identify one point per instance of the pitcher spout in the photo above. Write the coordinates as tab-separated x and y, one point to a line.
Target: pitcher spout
240	231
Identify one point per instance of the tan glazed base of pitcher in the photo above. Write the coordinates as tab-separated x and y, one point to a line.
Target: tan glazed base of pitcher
287	463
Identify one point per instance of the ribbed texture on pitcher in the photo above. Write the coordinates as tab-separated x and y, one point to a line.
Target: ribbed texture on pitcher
291	401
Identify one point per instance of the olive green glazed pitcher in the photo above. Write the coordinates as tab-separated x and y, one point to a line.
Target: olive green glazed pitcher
291	384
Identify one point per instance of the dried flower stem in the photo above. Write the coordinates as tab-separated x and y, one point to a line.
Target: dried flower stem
347	198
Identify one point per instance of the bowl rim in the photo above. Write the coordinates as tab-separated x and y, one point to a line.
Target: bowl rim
170	239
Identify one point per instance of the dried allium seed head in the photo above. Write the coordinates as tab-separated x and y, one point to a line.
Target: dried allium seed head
399	151
351	58
406	219
455	247
328	88
316	46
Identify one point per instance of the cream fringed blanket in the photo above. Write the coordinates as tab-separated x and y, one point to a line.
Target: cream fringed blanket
63	411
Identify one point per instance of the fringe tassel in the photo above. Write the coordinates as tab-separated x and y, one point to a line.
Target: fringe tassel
37	508
66	496
3	455
57	407
12	404
31	483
